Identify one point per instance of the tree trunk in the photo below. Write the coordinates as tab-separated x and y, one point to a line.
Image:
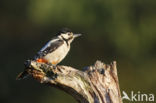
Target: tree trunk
95	84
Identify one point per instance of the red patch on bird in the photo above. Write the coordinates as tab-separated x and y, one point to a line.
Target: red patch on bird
40	60
55	62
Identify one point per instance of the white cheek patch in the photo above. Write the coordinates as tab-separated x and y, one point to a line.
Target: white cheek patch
65	36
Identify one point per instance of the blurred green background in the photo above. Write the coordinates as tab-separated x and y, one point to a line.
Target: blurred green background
121	30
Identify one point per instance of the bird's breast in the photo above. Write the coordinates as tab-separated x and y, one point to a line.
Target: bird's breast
58	55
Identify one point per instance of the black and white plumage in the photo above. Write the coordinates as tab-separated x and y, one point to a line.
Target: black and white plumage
54	51
57	48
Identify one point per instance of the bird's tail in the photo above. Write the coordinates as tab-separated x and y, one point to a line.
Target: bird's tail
22	75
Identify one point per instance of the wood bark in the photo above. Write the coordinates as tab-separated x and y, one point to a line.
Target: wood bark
95	84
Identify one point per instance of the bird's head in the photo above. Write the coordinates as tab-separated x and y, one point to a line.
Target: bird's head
67	35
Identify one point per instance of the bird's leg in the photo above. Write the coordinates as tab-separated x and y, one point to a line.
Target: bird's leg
52	65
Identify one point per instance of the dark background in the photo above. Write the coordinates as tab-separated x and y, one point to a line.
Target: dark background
121	30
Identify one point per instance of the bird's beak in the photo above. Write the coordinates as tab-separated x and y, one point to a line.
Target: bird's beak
76	35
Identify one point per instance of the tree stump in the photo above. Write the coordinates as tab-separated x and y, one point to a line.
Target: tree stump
95	84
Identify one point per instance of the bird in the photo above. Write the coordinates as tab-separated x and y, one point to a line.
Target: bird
57	48
54	51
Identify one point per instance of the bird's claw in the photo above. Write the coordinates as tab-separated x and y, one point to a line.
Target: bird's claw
52	65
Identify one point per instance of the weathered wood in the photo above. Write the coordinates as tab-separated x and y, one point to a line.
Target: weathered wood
95	84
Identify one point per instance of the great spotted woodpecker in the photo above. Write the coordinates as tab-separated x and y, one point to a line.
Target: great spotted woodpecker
57	48
54	51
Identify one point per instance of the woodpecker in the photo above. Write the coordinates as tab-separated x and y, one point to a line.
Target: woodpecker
54	51
57	48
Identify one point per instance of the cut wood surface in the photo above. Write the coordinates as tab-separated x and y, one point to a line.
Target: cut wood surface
95	84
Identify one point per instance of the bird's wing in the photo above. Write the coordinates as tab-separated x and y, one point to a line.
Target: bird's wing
49	47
